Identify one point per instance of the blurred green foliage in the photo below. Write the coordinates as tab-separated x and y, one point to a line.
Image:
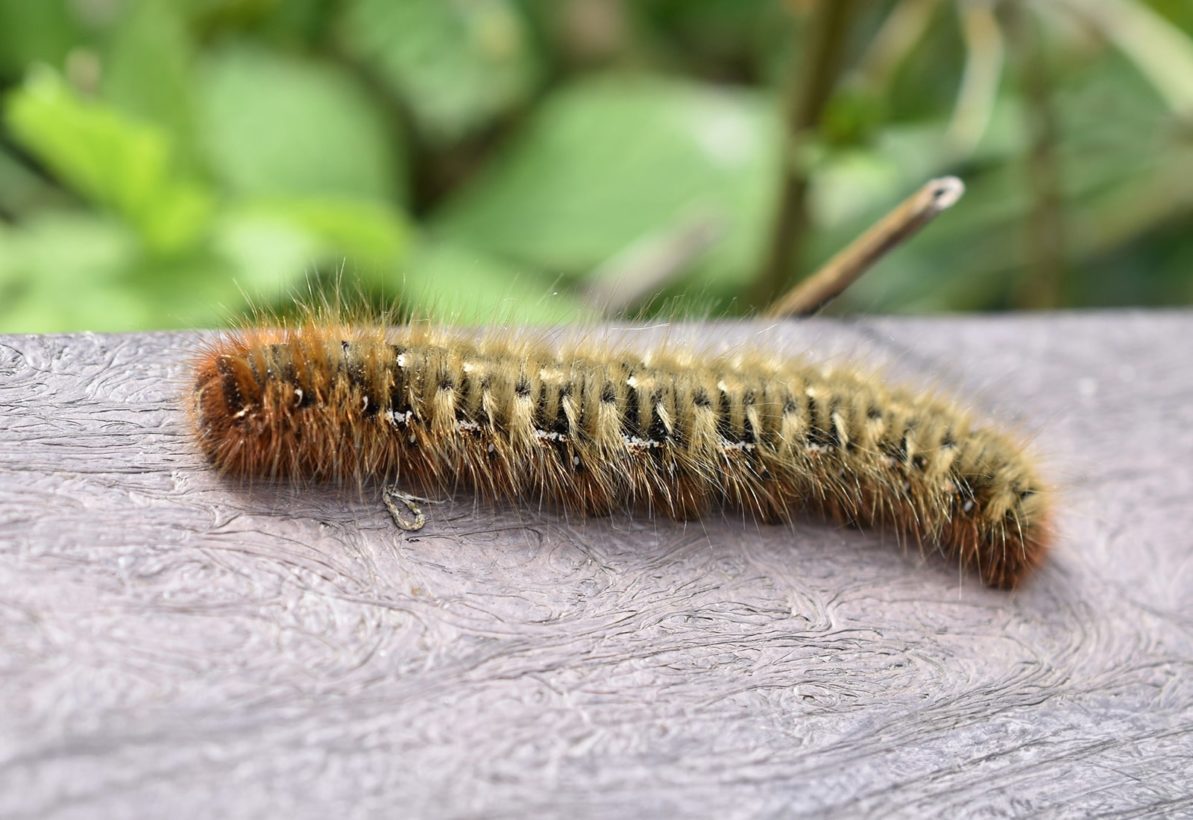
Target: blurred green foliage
164	161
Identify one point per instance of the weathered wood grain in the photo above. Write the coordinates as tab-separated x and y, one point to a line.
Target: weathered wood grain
172	643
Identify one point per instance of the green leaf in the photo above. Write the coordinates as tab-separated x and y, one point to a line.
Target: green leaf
34	31
270	246
609	161
279	126
457	284
457	65
265	256
147	71
62	271
360	232
110	159
22	190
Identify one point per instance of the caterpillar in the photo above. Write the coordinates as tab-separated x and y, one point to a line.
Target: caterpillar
592	430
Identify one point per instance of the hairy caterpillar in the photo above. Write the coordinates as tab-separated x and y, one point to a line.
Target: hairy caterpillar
594	430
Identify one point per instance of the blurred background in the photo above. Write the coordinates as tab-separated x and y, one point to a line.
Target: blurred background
165	162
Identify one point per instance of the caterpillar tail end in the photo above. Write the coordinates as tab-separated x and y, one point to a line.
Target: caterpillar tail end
1009	563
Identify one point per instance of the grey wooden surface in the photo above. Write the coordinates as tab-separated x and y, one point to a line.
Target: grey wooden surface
172	644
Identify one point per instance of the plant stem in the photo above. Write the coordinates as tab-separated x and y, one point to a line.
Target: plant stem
1042	283
809	89
908	217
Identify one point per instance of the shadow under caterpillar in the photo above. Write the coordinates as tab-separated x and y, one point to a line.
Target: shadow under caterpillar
593	430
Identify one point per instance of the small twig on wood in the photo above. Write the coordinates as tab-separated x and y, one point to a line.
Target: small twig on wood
908	217
810	87
644	268
404	509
